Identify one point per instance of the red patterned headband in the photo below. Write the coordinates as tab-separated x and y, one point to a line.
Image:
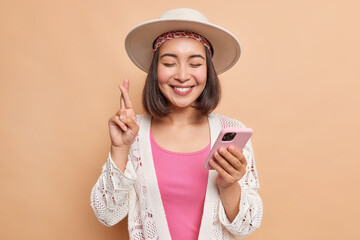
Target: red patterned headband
178	34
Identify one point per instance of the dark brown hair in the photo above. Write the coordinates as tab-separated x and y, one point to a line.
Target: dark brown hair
155	103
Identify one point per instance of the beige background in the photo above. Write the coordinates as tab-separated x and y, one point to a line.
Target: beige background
296	84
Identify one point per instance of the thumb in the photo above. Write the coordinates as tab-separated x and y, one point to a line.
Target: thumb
132	125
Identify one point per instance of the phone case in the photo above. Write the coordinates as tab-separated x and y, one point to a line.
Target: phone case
241	138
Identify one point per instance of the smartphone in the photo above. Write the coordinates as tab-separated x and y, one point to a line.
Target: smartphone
229	136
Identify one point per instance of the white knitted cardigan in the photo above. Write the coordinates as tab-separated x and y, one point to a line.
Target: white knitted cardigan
136	193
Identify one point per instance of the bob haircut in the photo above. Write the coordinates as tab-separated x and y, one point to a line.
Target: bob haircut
155	103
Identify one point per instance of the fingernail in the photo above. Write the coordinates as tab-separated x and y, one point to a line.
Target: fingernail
122	117
231	148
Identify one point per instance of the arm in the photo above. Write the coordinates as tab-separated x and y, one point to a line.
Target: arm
111	194
241	206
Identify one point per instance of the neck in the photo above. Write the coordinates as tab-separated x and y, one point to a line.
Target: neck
183	116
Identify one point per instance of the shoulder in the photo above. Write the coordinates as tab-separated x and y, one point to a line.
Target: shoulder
226	121
141	118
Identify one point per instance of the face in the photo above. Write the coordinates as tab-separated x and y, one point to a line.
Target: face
182	71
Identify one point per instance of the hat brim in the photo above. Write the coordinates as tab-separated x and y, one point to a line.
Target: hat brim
138	42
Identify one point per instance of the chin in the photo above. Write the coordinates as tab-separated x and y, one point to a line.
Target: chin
183	105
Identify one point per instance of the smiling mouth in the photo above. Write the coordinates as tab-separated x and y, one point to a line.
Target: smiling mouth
182	90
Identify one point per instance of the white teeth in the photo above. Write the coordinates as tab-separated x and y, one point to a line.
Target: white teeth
182	89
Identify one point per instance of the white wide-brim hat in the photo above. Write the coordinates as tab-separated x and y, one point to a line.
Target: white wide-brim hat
139	41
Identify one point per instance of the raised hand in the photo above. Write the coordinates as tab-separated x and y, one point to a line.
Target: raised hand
122	126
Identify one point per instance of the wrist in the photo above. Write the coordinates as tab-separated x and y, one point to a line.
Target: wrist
231	187
118	149
119	155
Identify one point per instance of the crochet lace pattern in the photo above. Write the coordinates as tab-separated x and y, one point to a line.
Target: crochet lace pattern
116	195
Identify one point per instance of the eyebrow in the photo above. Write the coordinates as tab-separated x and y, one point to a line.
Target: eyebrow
196	55
175	56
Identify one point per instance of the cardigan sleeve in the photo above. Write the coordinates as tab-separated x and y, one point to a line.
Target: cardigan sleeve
250	208
112	192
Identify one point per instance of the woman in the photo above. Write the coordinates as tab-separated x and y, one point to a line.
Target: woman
154	173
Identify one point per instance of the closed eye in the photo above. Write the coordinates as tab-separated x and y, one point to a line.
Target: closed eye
169	64
195	65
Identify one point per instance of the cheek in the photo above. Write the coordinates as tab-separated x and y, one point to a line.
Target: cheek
201	76
163	75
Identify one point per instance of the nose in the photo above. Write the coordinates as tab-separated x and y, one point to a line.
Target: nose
183	74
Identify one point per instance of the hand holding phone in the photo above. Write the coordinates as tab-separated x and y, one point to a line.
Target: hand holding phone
229	136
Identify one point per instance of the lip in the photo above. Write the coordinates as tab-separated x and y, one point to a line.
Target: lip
182	92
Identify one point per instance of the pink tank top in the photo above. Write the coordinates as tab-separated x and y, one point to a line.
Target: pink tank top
182	182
